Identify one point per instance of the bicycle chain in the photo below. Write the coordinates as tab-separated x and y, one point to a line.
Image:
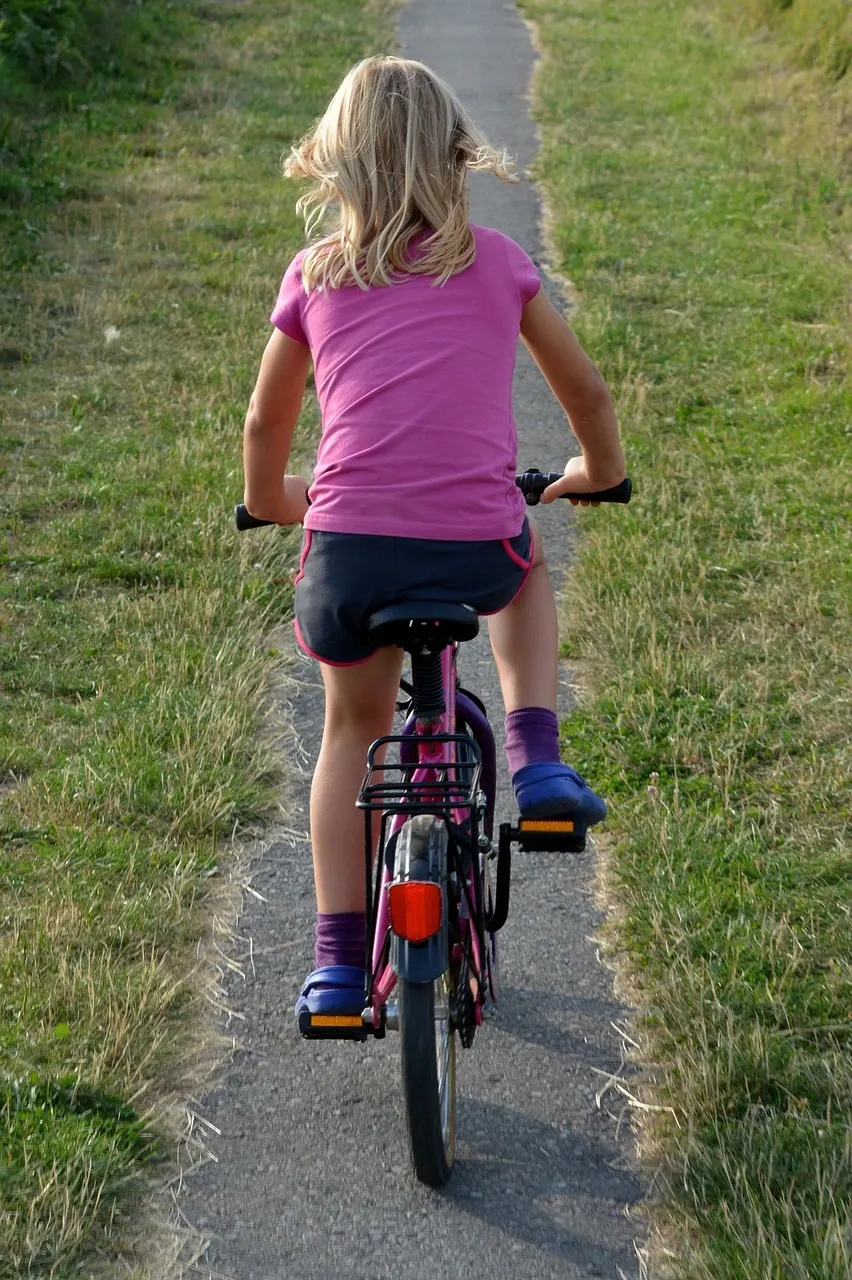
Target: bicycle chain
465	1012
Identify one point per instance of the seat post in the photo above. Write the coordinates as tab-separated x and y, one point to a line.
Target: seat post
428	694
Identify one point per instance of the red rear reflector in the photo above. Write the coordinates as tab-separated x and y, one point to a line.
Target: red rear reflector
415	909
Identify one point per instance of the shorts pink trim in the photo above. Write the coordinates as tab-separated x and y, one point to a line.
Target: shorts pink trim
513	555
306	546
526	565
329	662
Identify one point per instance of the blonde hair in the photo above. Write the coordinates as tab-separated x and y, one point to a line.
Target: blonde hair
390	156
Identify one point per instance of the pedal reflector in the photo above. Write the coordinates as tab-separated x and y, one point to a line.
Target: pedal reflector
336	1020
546	835
546	824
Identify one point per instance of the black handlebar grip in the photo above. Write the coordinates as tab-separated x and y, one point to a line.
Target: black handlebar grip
243	519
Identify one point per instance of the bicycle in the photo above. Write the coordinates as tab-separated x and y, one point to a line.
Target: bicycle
436	883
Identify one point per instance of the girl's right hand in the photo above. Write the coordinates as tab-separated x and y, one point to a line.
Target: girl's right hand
576	479
287	506
296	500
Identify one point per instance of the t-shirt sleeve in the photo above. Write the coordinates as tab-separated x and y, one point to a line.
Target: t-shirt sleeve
287	312
524	271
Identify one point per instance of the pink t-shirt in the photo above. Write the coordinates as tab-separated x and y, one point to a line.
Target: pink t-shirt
414	384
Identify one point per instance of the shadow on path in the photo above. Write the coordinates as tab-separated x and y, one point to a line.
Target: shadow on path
535	1182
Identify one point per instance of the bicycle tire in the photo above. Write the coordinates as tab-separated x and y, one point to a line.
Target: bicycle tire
431	1110
426	1039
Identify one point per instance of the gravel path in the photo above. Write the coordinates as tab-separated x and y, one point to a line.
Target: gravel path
312	1178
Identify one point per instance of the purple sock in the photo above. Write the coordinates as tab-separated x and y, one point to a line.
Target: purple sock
532	737
341	938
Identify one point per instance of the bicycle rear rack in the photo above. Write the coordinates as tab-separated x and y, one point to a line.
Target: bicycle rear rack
391	787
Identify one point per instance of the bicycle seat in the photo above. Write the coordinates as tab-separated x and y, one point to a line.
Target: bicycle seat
422	625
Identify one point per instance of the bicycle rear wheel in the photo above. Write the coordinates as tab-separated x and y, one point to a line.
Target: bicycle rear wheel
429	1075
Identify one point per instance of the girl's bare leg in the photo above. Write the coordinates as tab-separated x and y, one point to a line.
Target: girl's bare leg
359	707
524	638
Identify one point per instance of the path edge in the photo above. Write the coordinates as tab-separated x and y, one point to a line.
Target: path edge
165	1243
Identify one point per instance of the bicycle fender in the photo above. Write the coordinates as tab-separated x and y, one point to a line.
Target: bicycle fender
421	854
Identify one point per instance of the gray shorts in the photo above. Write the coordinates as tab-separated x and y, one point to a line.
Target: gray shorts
344	578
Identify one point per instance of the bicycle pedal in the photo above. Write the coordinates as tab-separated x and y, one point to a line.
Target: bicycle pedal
548	835
333	1026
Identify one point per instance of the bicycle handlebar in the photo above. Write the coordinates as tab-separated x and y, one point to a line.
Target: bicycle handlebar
532	484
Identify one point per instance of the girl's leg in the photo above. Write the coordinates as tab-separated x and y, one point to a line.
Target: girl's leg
359	707
525	639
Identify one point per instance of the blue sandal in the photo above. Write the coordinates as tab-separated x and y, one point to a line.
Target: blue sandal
332	989
550	790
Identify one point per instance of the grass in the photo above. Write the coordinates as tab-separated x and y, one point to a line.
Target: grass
74	67
133	310
697	186
816	32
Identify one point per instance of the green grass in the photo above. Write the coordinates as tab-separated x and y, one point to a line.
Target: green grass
55	42
133	310
71	68
697	183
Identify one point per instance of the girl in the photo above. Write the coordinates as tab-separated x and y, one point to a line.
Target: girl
411	316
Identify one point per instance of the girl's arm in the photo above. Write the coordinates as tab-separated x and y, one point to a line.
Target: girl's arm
582	392
271	418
